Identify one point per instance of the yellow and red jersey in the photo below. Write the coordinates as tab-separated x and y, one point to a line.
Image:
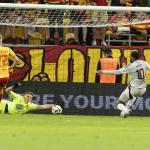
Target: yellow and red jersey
5	54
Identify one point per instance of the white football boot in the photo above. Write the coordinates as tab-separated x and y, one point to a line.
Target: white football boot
125	114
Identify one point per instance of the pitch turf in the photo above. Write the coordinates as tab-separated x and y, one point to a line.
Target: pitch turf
50	132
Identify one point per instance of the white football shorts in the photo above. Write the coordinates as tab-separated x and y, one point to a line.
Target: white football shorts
131	92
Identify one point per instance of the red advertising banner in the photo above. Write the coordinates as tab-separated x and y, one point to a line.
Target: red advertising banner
68	63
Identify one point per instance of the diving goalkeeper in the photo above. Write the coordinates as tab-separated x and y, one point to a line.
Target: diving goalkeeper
21	103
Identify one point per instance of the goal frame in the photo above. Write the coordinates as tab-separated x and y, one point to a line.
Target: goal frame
74	7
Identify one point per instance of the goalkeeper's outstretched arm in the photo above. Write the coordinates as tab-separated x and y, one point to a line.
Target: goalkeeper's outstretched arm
45	106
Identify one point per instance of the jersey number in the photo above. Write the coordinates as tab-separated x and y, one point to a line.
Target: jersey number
141	74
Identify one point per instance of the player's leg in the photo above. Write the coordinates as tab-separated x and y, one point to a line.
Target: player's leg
76	31
124	110
135	92
3	107
121	104
138	91
3	83
1	92
84	31
131	102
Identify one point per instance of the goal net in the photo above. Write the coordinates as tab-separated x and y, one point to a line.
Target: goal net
42	15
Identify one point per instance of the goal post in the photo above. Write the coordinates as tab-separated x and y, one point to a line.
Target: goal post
46	15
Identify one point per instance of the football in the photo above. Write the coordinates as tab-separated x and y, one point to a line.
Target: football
56	109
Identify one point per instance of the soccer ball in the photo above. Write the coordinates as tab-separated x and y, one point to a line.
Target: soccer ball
56	109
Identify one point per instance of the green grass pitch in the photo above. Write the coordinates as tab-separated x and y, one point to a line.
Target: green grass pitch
67	132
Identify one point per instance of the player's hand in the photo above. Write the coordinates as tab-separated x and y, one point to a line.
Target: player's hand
11	71
99	72
16	85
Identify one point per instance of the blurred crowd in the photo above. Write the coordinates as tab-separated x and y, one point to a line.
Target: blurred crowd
79	36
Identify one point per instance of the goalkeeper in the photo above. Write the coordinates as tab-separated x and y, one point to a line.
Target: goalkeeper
21	103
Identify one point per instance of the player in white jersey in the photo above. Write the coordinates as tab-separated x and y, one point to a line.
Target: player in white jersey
137	86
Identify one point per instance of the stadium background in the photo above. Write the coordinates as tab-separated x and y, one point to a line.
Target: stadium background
68	63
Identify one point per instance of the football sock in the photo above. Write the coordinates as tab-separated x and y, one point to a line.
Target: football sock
130	102
122	107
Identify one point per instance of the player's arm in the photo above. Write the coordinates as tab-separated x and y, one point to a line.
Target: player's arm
15	62
9	89
113	72
14	58
10	92
123	70
45	106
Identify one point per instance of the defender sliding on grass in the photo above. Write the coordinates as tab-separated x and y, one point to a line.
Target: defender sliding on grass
23	103
137	86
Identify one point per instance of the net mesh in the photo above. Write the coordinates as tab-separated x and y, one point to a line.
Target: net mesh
70	16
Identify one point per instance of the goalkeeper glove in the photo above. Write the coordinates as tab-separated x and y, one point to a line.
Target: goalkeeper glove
16	85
